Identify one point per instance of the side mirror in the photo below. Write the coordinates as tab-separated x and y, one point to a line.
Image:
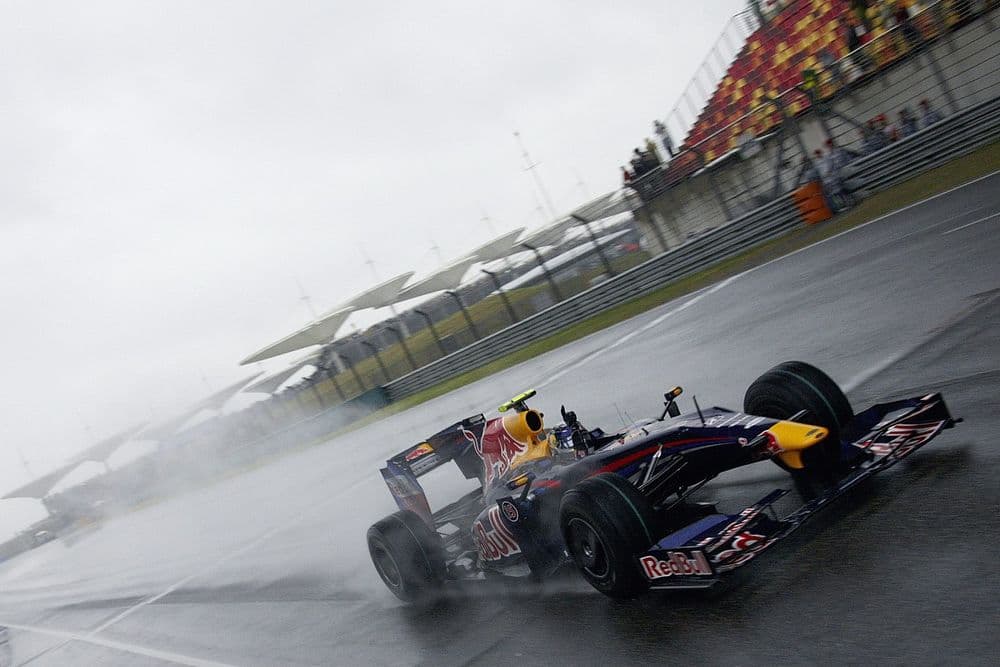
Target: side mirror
669	407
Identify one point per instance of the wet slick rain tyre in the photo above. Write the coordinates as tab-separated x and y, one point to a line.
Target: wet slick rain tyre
795	386
607	524
408	556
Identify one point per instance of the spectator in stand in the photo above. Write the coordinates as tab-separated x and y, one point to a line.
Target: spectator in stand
910	32
809	169
639	163
872	137
626	176
661	131
854	30
907	122
653	152
929	116
890	132
859	10
838	156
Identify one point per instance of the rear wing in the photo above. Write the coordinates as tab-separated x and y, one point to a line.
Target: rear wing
455	443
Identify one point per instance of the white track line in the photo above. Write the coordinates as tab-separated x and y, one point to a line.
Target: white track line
974	222
135	649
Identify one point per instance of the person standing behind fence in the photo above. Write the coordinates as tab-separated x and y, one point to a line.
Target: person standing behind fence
929	114
653	152
852	34
661	131
907	122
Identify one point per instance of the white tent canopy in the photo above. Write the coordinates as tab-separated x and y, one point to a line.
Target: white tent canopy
498	248
448	277
271	383
316	333
383	294
550	234
84	472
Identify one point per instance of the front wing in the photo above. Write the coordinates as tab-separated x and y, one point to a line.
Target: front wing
698	555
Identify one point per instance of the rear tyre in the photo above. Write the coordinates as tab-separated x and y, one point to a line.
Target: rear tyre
408	556
606	524
795	386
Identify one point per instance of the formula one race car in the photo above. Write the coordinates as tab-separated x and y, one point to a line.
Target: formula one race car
618	505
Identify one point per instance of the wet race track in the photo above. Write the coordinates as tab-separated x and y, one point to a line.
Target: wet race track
270	567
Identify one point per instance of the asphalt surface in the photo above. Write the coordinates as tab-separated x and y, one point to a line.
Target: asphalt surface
270	567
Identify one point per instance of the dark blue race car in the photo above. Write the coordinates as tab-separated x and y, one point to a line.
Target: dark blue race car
617	505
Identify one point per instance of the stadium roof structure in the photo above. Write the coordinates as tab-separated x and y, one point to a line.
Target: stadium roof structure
498	248
40	487
215	401
383	294
612	203
321	331
445	278
270	384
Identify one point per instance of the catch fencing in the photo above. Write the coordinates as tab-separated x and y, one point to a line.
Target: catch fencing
765	223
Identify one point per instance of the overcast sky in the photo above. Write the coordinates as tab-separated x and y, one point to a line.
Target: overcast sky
170	169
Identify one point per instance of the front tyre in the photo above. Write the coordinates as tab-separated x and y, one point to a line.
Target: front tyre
793	387
607	524
408	556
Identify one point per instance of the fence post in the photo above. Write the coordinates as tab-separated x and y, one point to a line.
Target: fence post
434	333
336	385
503	295
545	270
461	306
378	358
354	371
597	246
936	70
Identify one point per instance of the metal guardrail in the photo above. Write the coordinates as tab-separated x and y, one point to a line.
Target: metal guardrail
755	227
931	147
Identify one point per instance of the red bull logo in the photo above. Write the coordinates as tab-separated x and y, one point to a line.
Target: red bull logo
677	563
493	539
497	448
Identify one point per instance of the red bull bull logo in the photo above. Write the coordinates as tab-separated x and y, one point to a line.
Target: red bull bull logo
497	448
418	451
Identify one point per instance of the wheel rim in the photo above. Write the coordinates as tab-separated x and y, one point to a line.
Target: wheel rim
386	566
588	548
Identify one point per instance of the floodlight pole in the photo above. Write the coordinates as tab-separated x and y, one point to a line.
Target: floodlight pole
354	371
430	325
503	295
465	313
530	166
402	343
597	245
545	270
378	358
